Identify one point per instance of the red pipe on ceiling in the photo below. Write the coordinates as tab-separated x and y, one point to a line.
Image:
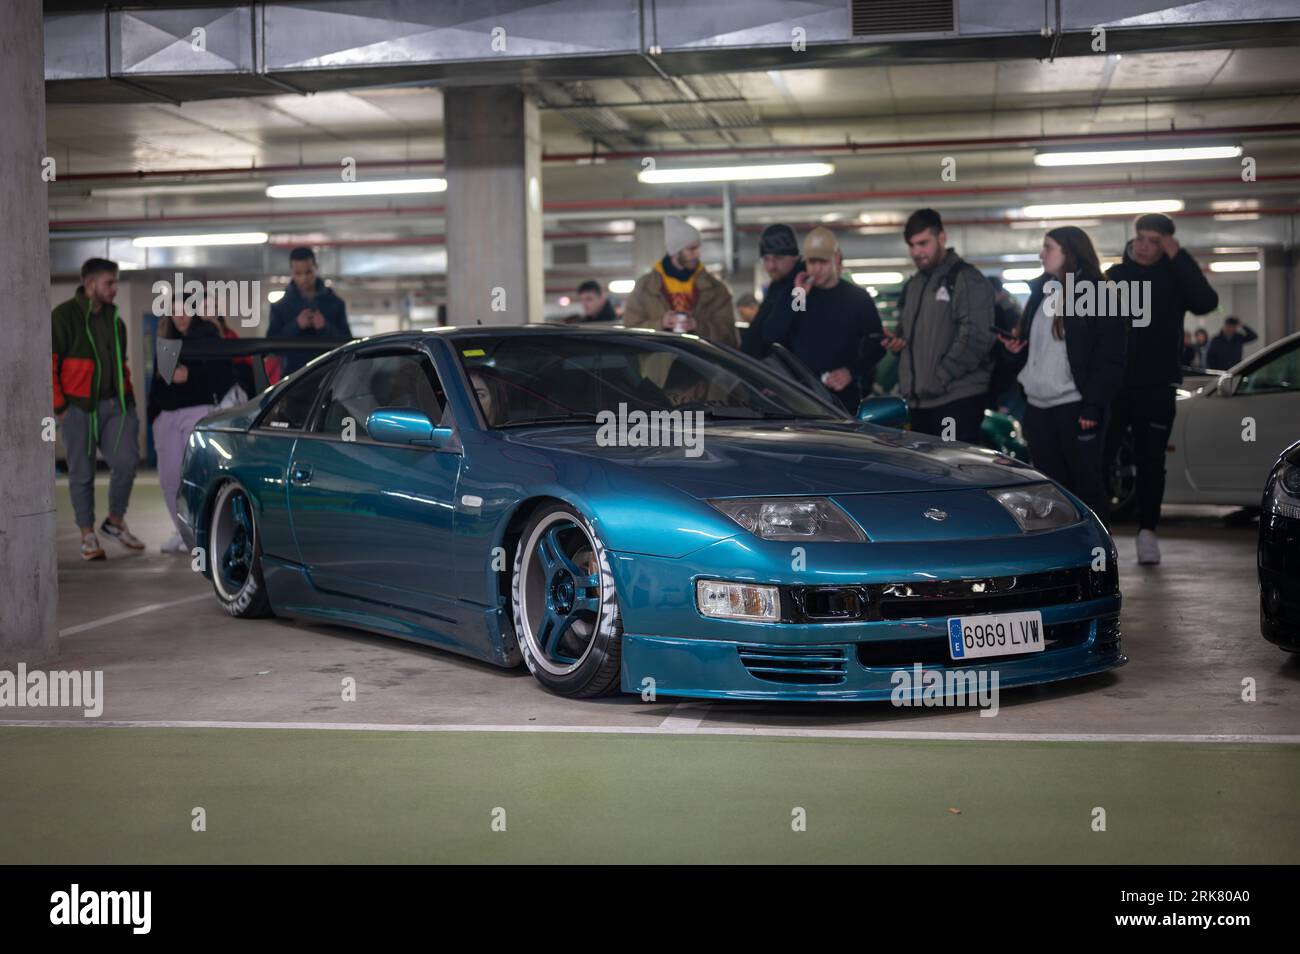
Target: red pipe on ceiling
590	205
849	146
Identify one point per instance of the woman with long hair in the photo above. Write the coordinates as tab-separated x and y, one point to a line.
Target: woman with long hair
1070	366
176	406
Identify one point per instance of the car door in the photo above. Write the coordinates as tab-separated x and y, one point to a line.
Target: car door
1260	401
371	519
265	454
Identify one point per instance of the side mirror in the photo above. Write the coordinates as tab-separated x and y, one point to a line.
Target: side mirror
1223	386
406	425
887	411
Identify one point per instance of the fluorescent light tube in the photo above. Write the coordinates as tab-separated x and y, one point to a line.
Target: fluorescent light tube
315	190
790	170
211	238
1081	210
1106	157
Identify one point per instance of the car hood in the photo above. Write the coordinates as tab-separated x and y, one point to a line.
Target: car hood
773	458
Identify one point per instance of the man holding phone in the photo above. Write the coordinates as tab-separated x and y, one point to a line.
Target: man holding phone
308	309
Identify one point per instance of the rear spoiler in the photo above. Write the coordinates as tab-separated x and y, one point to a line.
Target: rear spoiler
168	352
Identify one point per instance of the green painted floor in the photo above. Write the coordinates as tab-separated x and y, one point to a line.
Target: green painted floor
75	795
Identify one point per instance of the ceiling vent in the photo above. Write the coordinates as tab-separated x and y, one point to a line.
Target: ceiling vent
888	17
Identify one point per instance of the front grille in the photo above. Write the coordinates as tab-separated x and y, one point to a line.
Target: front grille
804	666
928	599
933	651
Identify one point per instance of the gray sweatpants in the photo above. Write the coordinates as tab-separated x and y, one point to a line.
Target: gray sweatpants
171	432
121	453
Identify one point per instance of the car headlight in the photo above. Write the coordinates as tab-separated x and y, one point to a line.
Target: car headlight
1037	507
1284	500
737	600
810	519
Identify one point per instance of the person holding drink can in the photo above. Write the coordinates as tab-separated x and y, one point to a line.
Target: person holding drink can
678	293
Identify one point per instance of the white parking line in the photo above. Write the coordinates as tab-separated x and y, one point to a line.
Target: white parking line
752	731
685	716
138	611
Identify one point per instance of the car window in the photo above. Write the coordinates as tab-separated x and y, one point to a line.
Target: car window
525	379
1280	373
290	410
368	382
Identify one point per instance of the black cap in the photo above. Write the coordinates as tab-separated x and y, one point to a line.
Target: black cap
778	240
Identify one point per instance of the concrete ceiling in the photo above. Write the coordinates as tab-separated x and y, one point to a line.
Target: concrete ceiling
787	111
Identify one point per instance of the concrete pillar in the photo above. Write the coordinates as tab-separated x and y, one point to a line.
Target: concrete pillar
494	206
1277	285
647	245
29	584
730	260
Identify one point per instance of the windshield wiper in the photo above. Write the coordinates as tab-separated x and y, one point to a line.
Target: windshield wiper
575	418
753	414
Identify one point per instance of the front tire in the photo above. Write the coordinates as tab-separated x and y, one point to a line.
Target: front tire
235	554
566	611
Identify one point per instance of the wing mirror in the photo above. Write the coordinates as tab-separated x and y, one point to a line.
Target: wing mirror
406	425
1225	385
887	411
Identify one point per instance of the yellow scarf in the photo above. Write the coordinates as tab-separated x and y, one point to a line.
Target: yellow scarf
681	295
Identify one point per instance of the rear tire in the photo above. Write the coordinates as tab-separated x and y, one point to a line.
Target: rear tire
235	554
566	612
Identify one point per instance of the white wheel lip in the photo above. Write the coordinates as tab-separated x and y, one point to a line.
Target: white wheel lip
227	491
524	626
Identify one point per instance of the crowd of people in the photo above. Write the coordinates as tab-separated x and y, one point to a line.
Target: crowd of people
1078	380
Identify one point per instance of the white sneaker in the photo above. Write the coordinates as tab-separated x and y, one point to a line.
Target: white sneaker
121	534
174	545
1148	547
90	548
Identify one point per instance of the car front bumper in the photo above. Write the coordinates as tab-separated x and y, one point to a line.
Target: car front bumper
1082	639
1279	580
908	592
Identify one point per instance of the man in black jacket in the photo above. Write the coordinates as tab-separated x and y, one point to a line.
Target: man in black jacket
1154	369
779	250
832	326
1224	349
309	309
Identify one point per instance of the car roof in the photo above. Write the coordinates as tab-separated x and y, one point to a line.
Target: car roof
510	331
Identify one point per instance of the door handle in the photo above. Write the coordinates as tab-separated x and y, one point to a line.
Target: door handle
300	474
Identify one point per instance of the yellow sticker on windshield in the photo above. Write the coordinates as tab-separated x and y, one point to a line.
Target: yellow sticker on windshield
474	353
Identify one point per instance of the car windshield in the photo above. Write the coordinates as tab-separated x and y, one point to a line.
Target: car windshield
523	379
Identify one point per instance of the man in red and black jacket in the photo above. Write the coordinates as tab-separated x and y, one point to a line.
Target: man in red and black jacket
94	401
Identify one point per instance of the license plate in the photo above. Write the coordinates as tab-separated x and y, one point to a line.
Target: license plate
998	634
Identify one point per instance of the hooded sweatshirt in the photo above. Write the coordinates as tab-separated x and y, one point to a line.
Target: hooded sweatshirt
1177	287
206	381
284	320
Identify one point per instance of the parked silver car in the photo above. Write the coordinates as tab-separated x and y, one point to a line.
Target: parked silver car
1228	432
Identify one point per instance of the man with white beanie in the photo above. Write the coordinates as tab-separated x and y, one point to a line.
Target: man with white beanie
678	294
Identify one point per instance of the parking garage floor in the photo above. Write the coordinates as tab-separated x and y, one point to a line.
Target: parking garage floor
246	720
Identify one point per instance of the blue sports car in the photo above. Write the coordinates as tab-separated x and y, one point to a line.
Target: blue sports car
633	510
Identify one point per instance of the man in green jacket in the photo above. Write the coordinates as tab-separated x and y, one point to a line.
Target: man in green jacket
93	400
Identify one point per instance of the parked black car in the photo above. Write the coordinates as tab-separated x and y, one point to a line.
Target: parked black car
1279	553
